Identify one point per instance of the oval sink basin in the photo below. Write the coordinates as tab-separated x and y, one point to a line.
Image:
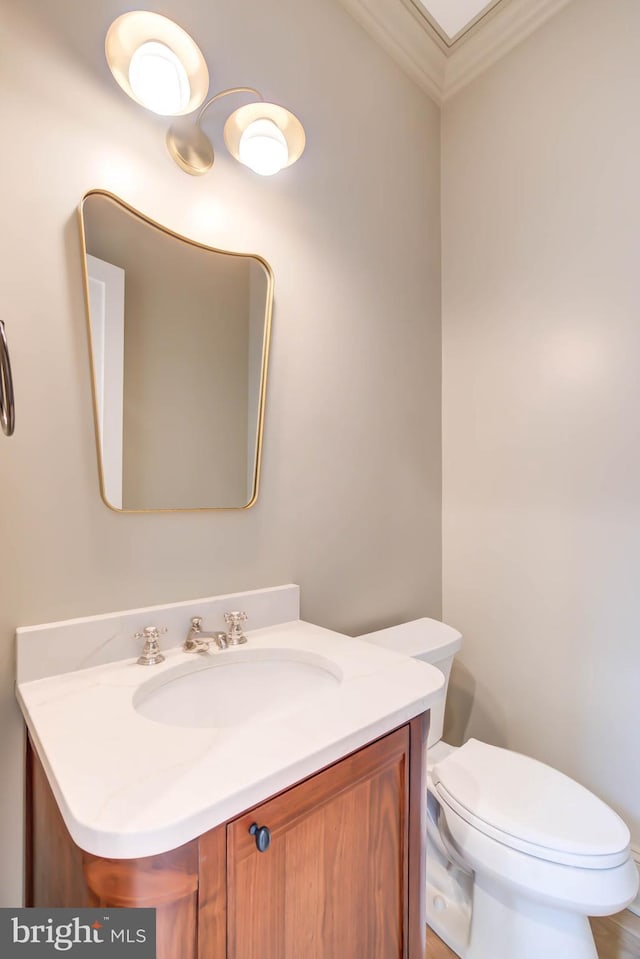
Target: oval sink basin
228	691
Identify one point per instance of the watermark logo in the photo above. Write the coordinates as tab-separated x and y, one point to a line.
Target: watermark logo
78	933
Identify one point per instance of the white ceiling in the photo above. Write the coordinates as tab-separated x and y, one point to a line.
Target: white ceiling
444	44
453	17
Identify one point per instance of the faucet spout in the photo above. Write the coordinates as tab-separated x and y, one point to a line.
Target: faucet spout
198	641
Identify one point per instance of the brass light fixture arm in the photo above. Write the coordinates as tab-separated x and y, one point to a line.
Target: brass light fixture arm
187	142
225	93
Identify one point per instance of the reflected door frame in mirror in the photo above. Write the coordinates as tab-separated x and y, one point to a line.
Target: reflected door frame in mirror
131	449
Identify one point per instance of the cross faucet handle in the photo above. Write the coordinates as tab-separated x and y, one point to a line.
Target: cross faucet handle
234	621
151	654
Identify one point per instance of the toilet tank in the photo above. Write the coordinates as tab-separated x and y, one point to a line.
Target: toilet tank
432	642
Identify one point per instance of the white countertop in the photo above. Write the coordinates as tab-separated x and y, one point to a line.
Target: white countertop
128	786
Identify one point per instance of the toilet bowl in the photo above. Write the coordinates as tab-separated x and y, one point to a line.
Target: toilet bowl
518	854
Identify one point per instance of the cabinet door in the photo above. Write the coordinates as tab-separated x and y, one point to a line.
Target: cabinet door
333	883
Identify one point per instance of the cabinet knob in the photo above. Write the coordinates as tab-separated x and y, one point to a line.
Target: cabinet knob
263	836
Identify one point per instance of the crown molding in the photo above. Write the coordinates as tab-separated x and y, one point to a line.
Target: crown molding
398	31
505	30
413	43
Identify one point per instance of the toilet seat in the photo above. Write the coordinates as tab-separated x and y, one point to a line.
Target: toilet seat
593	892
530	807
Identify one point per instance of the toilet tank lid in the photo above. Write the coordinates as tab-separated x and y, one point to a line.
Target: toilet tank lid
530	806
419	637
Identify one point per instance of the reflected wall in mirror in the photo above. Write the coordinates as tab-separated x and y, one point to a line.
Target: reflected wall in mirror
179	342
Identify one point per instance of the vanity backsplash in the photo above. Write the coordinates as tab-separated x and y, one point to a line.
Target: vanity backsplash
54	648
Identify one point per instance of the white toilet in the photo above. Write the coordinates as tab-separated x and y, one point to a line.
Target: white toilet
518	854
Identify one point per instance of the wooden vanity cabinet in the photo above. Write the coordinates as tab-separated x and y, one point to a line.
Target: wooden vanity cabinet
340	879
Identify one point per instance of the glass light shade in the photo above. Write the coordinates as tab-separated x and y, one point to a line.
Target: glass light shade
263	147
158	79
262	121
156	63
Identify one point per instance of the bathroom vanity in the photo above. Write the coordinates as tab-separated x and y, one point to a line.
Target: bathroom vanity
341	875
292	831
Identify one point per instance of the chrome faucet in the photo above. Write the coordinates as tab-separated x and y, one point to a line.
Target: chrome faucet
198	641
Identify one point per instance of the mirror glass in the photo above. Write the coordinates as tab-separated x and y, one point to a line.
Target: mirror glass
179	339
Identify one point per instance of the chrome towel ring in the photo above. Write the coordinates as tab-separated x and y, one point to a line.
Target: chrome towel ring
7	404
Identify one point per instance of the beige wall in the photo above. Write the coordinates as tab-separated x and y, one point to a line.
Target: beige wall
541	397
350	494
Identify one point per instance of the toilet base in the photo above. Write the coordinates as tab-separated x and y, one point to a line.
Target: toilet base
505	925
449	918
448	888
448	901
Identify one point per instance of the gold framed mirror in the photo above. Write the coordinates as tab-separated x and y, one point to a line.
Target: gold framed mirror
179	344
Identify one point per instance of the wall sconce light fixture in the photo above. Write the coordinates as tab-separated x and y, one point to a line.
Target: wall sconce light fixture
159	66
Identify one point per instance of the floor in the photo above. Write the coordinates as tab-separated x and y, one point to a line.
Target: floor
617	937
